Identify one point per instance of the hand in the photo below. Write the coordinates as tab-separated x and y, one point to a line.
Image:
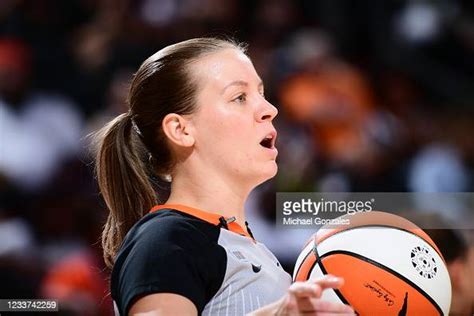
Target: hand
303	298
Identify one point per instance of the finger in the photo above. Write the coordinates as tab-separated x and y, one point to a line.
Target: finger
331	307
328	281
314	287
305	289
291	305
305	304
288	306
310	304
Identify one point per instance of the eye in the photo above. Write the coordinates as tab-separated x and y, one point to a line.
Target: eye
241	98
262	93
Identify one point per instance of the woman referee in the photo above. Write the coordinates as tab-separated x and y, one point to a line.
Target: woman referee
197	117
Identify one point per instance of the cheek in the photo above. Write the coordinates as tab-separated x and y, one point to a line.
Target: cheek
227	137
227	128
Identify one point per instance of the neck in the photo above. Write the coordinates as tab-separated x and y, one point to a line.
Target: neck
215	194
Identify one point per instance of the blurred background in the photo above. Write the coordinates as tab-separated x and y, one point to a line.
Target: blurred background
374	96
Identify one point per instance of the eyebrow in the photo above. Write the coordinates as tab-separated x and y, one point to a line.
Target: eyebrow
240	83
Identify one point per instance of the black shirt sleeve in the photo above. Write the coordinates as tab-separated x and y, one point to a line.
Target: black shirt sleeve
168	254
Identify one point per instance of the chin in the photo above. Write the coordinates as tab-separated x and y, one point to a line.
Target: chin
267	172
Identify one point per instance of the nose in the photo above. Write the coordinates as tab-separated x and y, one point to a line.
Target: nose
267	112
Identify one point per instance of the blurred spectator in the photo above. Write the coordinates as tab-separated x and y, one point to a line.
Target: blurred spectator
115	100
438	168
353	138
38	130
78	284
459	256
23	240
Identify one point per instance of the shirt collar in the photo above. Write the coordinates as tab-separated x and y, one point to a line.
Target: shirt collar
209	217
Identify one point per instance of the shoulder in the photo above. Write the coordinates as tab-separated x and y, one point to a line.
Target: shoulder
169	252
172	225
167	230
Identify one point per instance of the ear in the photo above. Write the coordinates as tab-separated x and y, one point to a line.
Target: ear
178	130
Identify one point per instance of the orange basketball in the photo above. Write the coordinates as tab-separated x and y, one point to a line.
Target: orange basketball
389	265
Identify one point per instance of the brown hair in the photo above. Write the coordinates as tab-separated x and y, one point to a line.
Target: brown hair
132	148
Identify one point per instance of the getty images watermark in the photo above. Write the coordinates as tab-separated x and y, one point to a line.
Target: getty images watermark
307	211
427	210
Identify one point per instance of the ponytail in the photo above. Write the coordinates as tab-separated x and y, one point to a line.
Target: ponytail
123	181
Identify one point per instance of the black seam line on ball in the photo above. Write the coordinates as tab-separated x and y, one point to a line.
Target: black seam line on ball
323	269
381	266
387	226
299	268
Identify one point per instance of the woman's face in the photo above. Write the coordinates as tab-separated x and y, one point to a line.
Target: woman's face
232	124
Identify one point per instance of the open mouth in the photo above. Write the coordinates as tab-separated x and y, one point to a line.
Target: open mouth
269	141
